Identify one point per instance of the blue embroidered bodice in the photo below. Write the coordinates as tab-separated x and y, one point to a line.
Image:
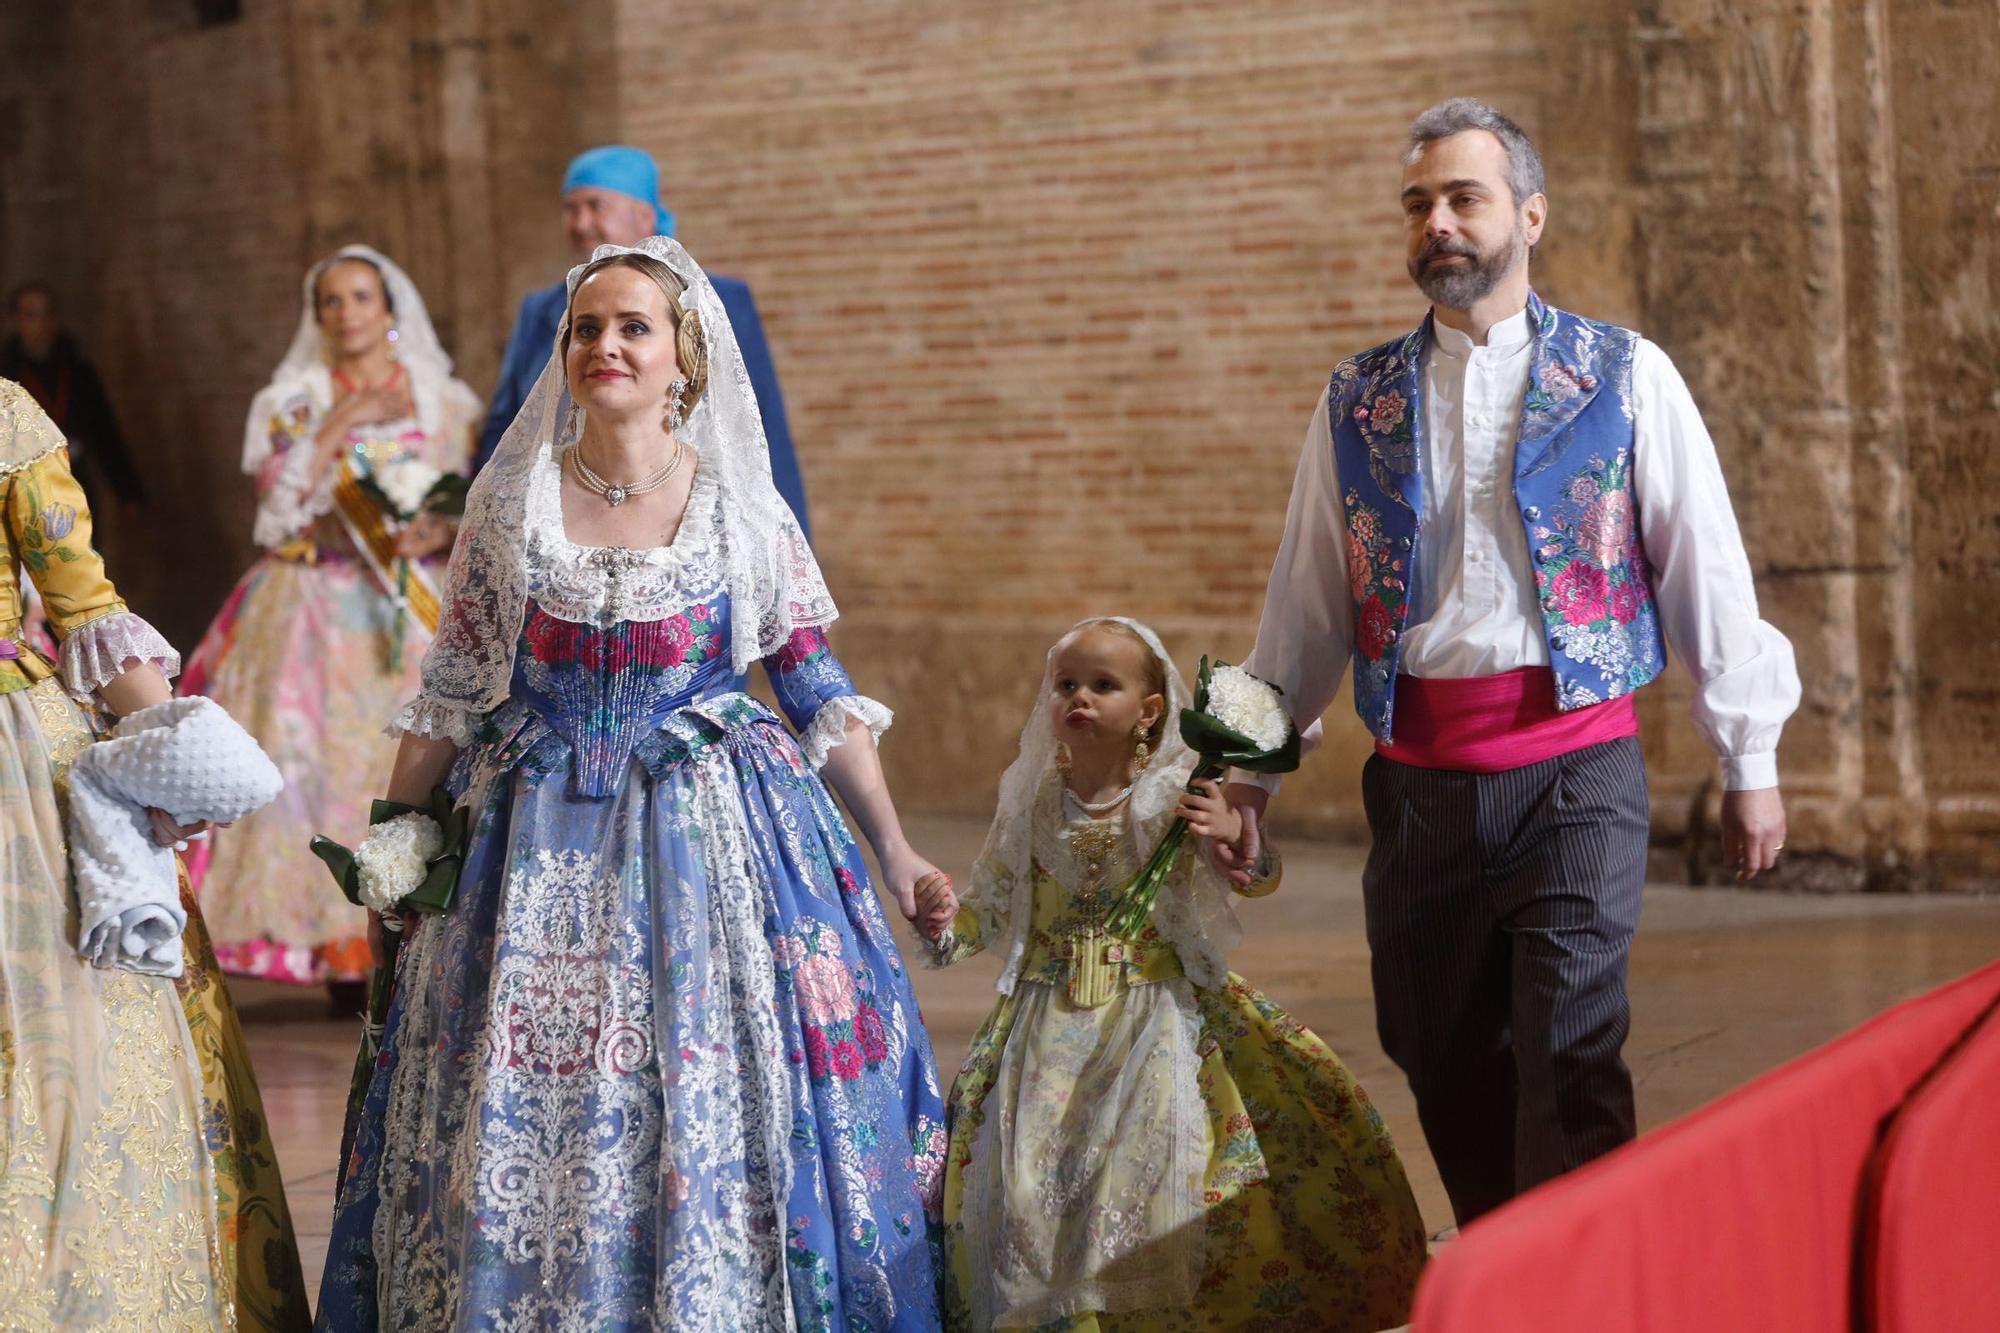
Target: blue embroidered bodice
613	693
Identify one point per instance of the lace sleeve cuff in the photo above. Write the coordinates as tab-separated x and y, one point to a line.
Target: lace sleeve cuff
829	725
95	653
294	500
425	716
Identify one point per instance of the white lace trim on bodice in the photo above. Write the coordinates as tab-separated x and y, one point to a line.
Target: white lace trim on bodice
604	585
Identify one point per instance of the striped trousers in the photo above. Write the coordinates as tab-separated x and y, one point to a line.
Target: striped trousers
1501	908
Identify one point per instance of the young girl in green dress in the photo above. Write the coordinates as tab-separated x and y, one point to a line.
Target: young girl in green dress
1138	1139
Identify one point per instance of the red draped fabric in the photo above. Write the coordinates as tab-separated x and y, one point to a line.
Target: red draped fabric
1744	1215
1935	1259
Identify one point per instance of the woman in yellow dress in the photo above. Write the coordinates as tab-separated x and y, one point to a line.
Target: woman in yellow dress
1138	1139
137	1188
311	652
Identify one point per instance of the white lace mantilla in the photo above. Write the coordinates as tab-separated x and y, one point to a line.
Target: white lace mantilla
1192	912
738	534
95	653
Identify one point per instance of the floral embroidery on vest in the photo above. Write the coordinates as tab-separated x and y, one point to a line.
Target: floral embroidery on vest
1557	384
1577	508
1378	579
1592	575
1384	412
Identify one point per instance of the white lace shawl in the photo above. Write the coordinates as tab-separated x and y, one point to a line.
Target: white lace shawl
1193	912
445	407
738	535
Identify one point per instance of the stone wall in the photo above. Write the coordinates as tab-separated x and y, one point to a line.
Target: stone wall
1052	288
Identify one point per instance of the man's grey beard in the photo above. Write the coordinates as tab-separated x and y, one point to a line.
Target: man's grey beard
1462	286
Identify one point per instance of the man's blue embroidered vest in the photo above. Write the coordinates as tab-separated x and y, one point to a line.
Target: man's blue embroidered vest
1572	482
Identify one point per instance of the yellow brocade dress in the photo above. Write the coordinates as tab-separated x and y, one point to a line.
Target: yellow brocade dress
137	1189
1131	1151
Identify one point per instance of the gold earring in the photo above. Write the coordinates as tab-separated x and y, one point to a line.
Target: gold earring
1062	759
1142	753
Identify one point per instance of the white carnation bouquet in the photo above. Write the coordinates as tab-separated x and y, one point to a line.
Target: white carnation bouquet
405	488
1235	721
393	861
409	862
406	482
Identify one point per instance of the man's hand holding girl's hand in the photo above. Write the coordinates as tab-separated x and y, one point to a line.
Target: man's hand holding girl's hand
1210	815
1237	857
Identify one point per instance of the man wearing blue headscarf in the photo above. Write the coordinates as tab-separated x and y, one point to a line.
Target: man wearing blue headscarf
612	195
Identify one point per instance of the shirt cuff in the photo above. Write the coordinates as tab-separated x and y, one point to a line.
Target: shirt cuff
1270	782
1750	772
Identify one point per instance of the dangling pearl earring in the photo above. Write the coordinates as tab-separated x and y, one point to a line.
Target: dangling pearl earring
676	412
394	337
572	426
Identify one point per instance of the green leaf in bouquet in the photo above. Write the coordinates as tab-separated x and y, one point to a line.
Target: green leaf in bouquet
381	812
450	816
1210	739
447	496
434	895
1222	745
339	860
365	479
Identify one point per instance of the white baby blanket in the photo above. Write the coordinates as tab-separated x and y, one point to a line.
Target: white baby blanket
187	757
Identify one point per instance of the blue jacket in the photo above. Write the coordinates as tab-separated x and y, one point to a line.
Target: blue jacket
535	335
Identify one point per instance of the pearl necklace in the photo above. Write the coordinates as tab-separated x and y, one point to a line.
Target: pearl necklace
618	495
1101	807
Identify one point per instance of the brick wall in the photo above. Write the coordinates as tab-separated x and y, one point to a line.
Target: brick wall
1052	287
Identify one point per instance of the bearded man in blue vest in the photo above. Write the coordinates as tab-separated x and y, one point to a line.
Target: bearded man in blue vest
611	195
1504	520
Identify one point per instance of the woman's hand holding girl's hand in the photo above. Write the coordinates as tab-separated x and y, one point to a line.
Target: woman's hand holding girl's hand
904	870
1208	815
936	904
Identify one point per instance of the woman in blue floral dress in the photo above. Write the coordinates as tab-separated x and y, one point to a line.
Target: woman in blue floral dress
660	1065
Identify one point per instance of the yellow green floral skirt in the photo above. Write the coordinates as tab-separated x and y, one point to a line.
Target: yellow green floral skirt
1309	1220
260	1256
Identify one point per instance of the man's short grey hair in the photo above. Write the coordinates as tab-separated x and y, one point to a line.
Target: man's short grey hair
1459	114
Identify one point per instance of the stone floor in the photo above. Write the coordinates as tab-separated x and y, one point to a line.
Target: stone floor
1725	985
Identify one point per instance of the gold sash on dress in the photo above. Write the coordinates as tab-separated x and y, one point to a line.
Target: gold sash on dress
368	527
